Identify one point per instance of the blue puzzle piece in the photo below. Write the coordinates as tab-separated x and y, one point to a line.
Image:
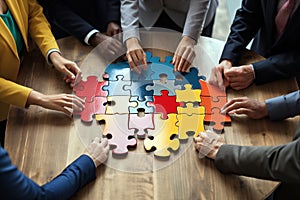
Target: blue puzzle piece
159	68
120	68
146	74
190	77
116	88
158	86
138	88
141	104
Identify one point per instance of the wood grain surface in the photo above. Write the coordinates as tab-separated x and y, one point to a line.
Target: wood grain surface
42	142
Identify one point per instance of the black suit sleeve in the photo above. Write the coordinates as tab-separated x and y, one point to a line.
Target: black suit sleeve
66	19
279	163
246	23
114	14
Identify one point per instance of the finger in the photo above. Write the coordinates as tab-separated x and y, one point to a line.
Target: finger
104	142
174	62
241	111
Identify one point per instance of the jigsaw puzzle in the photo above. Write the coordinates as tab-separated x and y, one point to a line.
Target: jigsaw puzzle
160	105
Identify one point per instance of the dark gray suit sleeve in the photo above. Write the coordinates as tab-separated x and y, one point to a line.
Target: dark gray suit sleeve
278	163
285	106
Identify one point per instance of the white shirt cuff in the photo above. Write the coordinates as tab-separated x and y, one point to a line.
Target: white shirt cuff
253	70
87	37
48	54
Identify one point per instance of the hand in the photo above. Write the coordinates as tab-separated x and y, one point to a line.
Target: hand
113	28
208	144
109	44
98	150
184	54
59	102
217	77
67	67
243	105
240	77
135	55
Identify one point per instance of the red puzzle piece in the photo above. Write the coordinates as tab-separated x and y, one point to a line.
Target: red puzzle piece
92	108
87	89
99	91
164	104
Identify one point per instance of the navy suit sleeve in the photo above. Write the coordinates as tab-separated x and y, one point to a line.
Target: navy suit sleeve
15	185
66	19
279	66
114	14
246	23
279	163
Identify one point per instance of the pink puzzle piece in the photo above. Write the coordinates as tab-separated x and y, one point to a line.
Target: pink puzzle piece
161	137
92	108
87	89
141	123
116	126
99	91
164	104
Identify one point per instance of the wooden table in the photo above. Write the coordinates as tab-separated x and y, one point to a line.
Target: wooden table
42	142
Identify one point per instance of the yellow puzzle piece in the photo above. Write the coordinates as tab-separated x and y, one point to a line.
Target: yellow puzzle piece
188	95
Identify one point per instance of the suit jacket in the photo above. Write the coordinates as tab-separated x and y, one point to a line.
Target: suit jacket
15	185
192	15
78	18
257	18
31	21
278	163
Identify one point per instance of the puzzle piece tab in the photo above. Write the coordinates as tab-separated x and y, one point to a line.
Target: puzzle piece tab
190	77
116	69
188	94
209	90
141	123
116	88
162	137
87	89
138	88
158	68
141	105
159	85
119	105
190	123
116	126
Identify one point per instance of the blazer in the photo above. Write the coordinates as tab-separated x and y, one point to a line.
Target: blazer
78	18
278	163
192	15
15	185
256	18
31	21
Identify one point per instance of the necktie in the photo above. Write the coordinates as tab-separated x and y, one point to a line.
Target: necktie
283	14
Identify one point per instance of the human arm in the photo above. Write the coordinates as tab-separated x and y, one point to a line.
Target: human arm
277	108
113	18
15	185
279	163
194	23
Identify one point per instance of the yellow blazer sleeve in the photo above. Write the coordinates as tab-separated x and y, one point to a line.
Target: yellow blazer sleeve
13	93
39	28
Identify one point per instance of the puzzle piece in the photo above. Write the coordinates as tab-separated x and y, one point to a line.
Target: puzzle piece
119	105
190	123
116	126
211	90
116	69
190	77
218	119
190	109
164	104
99	89
158	86
159	68
141	123
162	137
138	88
87	89
91	108
141	105
188	95
209	103
116	88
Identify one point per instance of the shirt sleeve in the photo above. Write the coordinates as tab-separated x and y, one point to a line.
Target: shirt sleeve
285	106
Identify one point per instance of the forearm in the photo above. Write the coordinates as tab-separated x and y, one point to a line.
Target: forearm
130	19
279	163
279	66
13	93
246	23
283	107
195	19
